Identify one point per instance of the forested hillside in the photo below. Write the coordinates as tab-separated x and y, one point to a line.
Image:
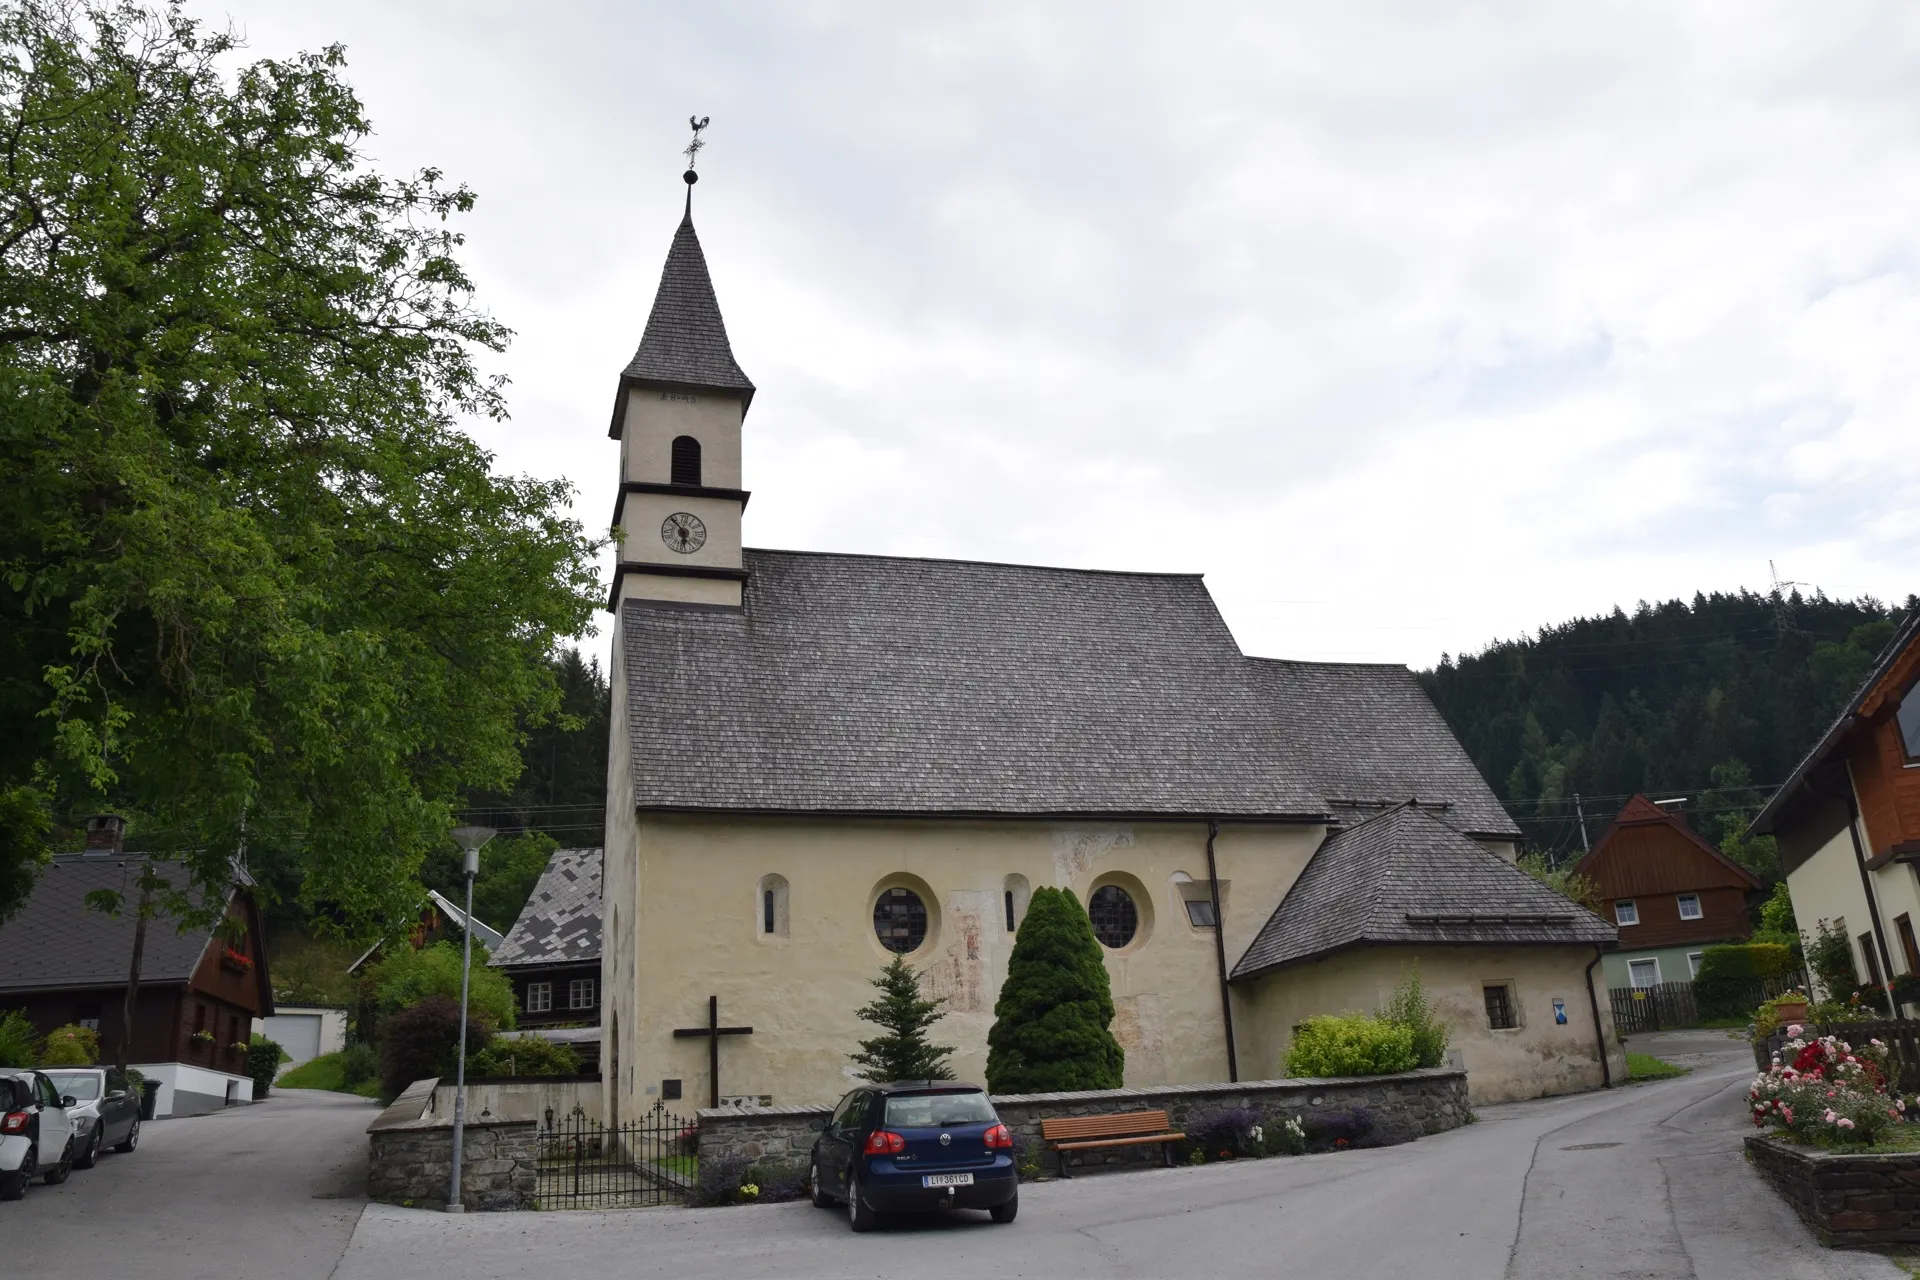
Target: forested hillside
1715	700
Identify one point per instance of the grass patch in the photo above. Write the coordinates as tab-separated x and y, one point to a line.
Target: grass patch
1644	1066
325	1072
684	1165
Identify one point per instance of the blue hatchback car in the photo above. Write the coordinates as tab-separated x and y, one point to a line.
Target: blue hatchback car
918	1144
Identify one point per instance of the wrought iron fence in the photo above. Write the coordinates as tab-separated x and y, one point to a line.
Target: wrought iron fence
584	1164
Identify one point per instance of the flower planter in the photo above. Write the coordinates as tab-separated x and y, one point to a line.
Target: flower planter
1853	1200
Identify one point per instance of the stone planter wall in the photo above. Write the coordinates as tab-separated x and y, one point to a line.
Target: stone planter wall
1852	1201
1403	1107
410	1155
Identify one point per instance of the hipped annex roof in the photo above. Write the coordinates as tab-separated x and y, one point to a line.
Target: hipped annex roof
1407	878
884	685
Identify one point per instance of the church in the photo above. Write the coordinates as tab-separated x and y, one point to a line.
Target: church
823	761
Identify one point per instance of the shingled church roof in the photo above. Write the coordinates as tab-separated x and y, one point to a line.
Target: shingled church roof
685	343
561	922
1405	877
881	684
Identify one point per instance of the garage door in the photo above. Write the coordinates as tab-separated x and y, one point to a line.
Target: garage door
298	1034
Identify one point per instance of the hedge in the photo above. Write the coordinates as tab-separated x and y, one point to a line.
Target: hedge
1728	984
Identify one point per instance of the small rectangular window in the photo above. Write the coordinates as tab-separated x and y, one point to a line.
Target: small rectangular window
1643	973
1626	911
1909	945
1909	718
1500	1007
766	911
1873	960
539	997
1200	913
1693	963
1010	923
1690	906
580	993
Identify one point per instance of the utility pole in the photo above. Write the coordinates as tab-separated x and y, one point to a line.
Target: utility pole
1580	810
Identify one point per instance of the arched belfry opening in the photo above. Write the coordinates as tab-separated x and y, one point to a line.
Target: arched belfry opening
686	460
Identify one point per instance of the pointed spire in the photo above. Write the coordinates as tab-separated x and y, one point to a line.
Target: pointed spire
685	343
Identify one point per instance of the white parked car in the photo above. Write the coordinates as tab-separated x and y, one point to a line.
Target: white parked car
33	1126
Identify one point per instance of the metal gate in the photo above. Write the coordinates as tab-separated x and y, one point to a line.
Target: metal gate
585	1164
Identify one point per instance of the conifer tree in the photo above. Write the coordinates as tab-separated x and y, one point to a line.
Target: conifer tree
903	1052
1050	1029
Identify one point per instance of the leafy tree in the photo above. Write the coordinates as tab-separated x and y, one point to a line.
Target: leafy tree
314	971
1050	1025
405	977
1830	957
1776	919
902	1051
1563	880
255	585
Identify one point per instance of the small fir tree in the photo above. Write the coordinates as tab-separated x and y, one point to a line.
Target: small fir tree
902	1053
1050	1029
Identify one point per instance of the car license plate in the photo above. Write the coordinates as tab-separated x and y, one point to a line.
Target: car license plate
947	1180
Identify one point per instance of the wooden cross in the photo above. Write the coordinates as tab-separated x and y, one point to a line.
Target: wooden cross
712	1031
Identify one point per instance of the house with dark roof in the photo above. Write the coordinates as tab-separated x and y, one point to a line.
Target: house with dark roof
62	961
552	952
1670	893
1848	818
819	762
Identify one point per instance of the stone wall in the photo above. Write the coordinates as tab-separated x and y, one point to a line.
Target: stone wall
1402	1107
410	1155
1853	1201
526	1096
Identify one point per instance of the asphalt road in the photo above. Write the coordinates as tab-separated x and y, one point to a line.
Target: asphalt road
270	1190
1645	1181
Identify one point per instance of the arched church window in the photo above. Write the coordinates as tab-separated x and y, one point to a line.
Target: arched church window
686	460
1013	895
1115	918
770	907
900	920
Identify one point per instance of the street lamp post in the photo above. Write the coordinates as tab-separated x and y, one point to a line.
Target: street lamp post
470	839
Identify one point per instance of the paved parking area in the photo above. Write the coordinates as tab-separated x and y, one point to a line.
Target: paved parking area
269	1191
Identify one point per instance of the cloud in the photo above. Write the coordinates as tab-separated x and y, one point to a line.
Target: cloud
1410	328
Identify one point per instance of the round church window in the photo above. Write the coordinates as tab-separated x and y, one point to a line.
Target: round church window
900	920
1115	918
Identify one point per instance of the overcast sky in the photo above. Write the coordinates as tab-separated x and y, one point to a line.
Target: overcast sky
1410	332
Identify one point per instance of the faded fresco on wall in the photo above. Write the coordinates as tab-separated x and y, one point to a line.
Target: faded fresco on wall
1076	849
962	976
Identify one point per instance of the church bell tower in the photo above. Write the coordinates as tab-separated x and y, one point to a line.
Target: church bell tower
677	416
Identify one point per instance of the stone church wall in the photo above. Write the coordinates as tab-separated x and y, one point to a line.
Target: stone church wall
1401	1107
1538	1057
687	892
410	1155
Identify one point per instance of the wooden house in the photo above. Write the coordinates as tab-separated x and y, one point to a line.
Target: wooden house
1669	892
552	952
63	962
1848	818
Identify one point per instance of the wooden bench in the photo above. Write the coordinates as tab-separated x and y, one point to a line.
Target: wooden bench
1128	1129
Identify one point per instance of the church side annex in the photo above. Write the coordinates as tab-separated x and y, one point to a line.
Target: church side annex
819	761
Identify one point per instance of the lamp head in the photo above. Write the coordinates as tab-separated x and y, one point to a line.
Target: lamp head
472	839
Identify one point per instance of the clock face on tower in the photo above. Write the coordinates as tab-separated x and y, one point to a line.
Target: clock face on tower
683	532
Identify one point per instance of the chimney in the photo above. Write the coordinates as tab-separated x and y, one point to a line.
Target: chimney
105	834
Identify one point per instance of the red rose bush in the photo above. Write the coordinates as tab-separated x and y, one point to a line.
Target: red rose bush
1824	1090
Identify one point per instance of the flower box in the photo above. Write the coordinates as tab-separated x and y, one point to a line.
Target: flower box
239	961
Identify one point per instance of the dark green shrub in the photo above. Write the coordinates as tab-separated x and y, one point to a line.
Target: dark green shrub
1350	1045
263	1064
903	1051
1408	1008
1830	956
1050	1024
1729	983
406	977
423	1041
19	1042
358	1064
70	1046
524	1056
